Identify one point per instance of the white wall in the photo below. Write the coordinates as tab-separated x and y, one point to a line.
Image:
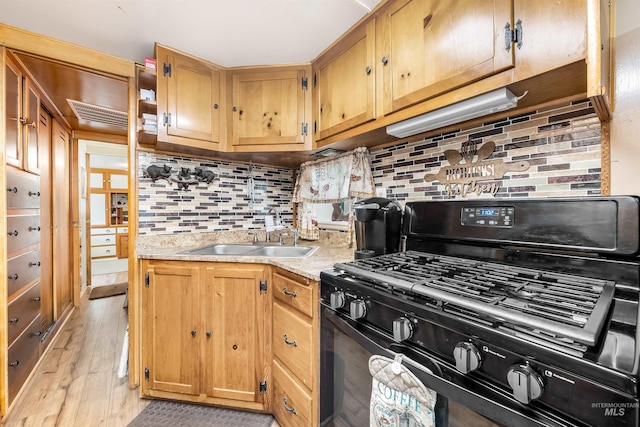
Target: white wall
625	124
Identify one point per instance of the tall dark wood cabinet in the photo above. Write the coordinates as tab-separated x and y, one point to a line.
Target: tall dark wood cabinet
39	285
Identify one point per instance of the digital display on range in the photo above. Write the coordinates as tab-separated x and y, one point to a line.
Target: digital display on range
487	212
485	216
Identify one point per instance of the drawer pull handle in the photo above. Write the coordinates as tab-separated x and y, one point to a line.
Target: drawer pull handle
37	299
107	240
13	233
34	264
14	363
36	228
14	320
287	342
34	193
12	190
289	293
288	409
13	276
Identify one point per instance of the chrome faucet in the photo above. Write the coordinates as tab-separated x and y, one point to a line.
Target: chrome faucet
274	224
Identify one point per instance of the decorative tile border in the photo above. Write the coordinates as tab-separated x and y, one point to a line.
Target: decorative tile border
561	144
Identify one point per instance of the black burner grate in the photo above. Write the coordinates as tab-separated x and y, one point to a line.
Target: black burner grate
546	303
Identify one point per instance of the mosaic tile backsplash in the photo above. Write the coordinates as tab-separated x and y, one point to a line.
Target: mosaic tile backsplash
224	204
562	146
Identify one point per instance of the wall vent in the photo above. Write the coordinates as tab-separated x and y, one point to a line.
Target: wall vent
98	114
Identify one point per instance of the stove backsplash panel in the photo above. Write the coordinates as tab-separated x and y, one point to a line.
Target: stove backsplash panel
224	204
562	146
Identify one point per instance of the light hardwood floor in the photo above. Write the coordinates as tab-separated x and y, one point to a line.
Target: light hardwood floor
76	383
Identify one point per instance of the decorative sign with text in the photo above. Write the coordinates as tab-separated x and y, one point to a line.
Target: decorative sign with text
469	171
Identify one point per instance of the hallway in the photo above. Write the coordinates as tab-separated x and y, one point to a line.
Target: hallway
76	383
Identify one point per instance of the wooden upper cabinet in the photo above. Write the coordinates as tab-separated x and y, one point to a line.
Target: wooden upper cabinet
23	117
13	114
554	34
188	100
428	47
345	83
271	109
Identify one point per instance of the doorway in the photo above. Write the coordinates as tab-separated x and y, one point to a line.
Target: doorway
104	213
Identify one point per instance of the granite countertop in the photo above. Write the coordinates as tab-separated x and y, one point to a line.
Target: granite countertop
333	247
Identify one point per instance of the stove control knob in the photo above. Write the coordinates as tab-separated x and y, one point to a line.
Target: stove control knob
527	385
467	357
357	309
337	300
402	329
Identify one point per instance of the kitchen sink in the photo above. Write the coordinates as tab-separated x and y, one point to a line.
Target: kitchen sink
285	251
254	250
223	249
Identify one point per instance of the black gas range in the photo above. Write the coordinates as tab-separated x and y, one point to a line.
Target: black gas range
528	306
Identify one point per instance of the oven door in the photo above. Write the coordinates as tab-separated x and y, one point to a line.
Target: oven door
346	383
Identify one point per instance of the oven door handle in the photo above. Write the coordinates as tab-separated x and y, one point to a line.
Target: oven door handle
433	379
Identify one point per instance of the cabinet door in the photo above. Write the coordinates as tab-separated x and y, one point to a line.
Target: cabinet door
171	333
428	47
235	328
13	113
189	97
269	109
61	218
31	125
118	181
98	203
547	43
345	79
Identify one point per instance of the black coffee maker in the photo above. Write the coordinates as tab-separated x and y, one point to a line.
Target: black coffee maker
378	227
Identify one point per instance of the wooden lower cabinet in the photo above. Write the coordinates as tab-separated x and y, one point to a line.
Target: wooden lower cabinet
206	333
295	349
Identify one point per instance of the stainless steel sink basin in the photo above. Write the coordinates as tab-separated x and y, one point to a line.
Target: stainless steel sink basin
254	250
285	251
223	249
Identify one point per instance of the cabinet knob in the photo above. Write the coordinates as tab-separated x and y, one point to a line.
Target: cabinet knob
34	193
36	334
36	299
14	320
36	228
13	233
193	333
215	106
14	363
209	333
12	190
367	70
234	108
385	60
34	264
13	277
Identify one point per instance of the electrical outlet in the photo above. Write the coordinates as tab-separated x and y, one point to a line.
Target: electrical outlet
381	192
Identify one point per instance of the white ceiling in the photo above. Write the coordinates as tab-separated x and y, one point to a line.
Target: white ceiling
226	32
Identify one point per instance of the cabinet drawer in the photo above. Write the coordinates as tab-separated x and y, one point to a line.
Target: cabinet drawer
294	294
110	230
292	406
108	239
123	230
23	355
293	342
22	231
22	270
103	251
23	190
22	311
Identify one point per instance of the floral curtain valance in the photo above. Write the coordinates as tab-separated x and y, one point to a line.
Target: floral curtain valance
332	180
